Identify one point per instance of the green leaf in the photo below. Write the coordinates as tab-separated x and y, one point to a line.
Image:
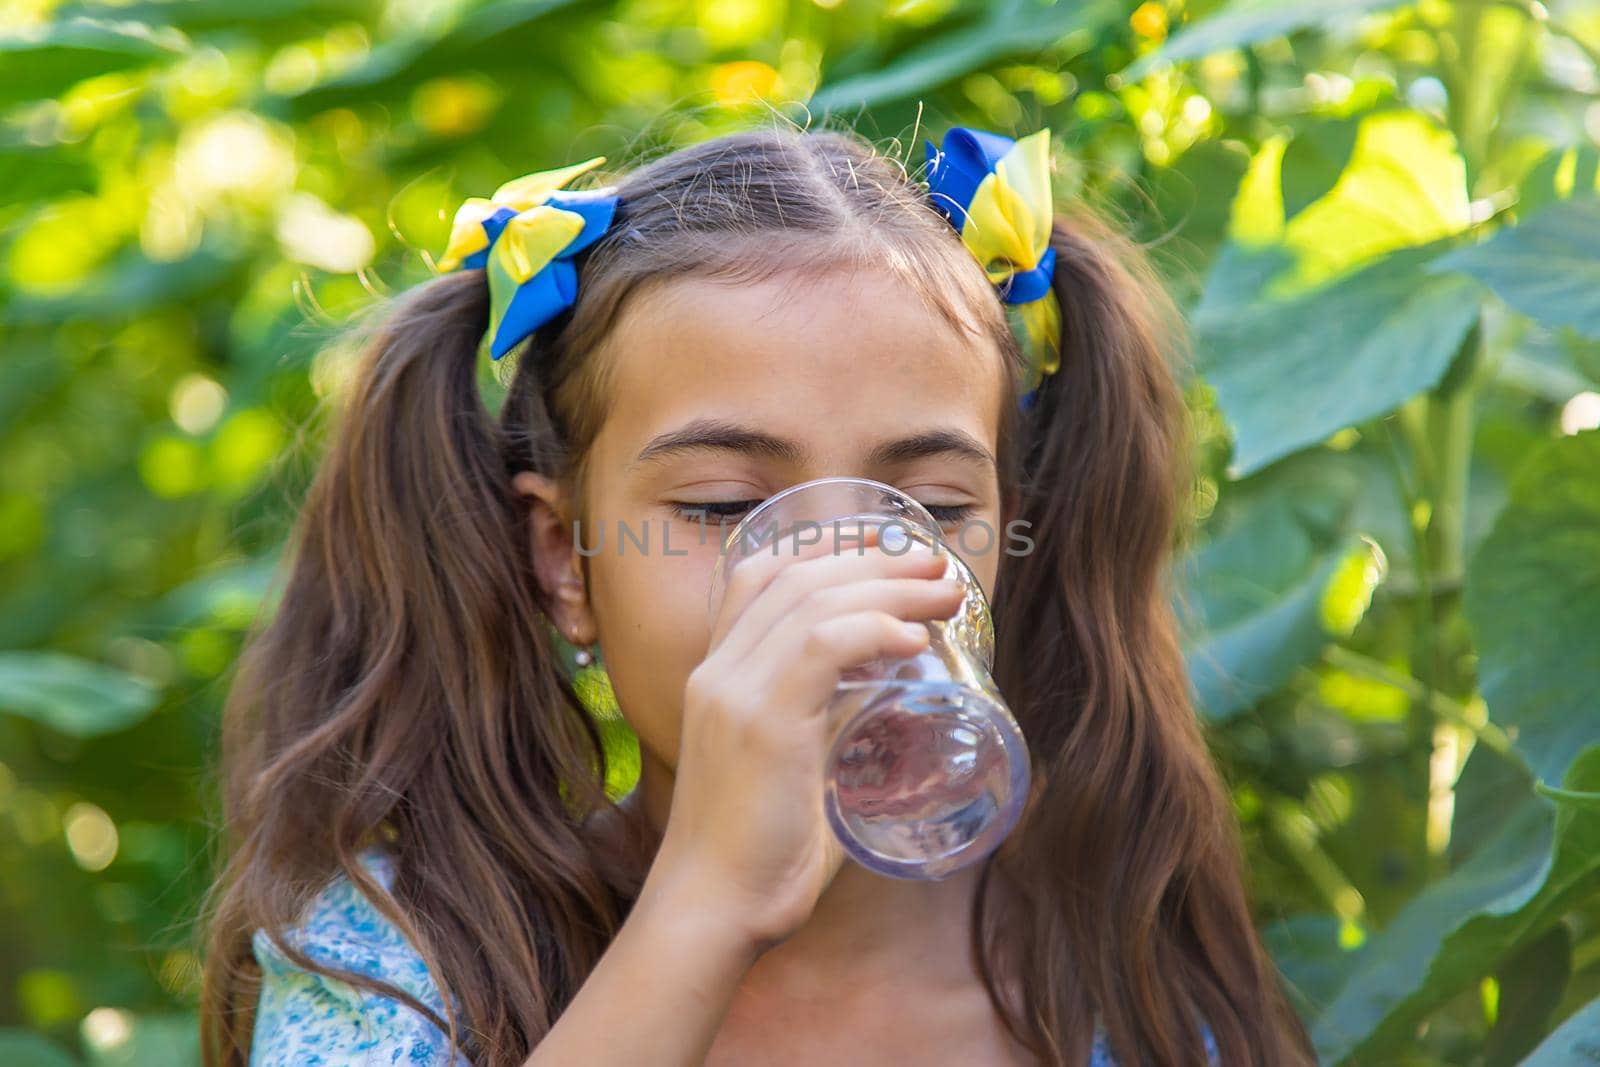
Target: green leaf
1190	198
1540	864
1314	159
1254	598
1246	22
72	695
1560	174
1530	985
1290	372
1010	29
1575	1041
1548	267
19	1048
47	61
264	18
130	283
1404	186
154	1041
1481	789
1538	657
476	40
1312	958
34	173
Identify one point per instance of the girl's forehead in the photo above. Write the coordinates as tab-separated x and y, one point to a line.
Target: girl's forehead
840	351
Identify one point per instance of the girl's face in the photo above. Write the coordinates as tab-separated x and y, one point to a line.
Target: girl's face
722	395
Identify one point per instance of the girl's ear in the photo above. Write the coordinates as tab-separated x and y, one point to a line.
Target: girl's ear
556	562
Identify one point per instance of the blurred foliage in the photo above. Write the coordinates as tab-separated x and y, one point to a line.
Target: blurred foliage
1382	218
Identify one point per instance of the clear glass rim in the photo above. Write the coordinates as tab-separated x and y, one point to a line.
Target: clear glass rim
918	515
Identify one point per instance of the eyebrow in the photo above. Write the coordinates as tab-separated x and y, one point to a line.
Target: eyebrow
718	435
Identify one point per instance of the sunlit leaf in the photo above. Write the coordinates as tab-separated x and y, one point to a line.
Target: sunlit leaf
1403	185
1539	661
72	695
1547	267
1246	22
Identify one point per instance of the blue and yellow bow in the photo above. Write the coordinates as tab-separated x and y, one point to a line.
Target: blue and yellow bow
524	236
996	193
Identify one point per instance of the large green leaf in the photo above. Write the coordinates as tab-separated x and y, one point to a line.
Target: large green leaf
1541	864
1530	604
72	695
1254	597
1290	372
1190	201
1247	21
29	172
477	39
129	283
1548	267
264	18
1314	963
1009	29
18	1048
1332	207
1314	159
1530	985
1575	1041
51	59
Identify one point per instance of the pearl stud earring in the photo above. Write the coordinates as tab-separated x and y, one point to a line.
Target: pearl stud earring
583	657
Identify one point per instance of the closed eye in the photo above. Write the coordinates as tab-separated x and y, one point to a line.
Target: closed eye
944	514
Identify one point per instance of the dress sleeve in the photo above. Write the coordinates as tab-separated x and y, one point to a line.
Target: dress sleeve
308	1019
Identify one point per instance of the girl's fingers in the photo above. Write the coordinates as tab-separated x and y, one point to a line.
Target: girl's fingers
799	666
747	577
763	590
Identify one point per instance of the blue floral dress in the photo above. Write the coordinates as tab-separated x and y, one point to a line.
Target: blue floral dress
310	1020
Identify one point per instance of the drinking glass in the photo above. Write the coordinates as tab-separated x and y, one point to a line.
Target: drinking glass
927	770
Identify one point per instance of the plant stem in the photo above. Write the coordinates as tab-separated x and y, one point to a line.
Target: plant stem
1449	710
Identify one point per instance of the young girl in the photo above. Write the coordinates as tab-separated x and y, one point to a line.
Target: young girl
424	866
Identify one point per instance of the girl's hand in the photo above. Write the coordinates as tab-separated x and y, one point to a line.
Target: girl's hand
747	836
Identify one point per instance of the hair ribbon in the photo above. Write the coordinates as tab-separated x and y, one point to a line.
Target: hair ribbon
524	238
996	193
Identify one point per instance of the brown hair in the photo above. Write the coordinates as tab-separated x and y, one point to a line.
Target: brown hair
408	688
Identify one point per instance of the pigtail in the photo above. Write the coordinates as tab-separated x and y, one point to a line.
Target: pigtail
1145	908
410	601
